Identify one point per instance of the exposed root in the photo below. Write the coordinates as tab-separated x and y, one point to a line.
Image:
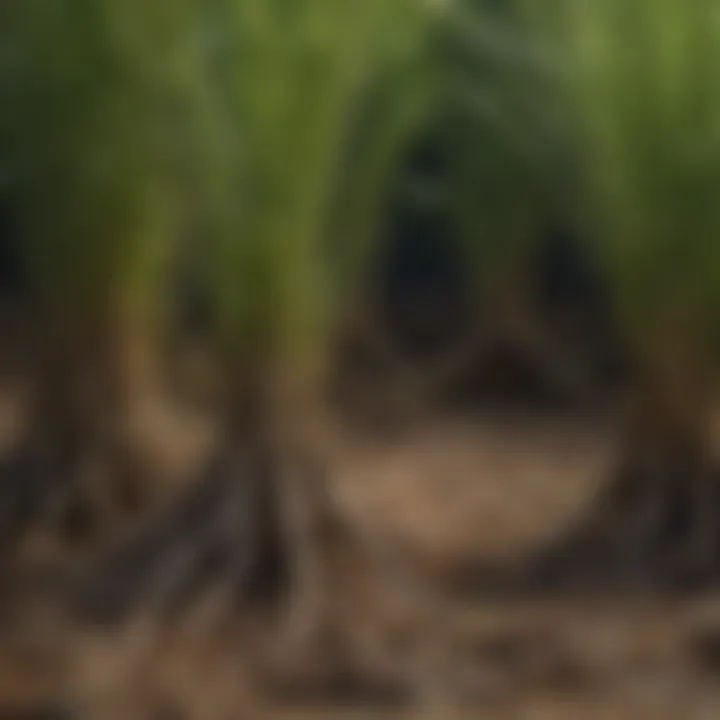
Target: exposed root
223	529
656	525
56	504
259	548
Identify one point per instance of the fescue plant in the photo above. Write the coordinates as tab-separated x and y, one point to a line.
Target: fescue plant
308	107
642	81
98	99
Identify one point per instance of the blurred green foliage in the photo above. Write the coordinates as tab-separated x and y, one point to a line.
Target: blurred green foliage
95	97
287	122
311	102
643	81
510	137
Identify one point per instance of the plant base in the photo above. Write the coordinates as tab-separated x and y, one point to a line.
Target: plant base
656	525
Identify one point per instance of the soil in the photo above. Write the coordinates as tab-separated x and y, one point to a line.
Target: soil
429	507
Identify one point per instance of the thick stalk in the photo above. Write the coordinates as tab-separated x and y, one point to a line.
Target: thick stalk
667	490
672	404
657	519
93	376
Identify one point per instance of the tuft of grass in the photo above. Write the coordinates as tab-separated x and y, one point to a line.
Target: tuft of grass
643	79
312	102
94	134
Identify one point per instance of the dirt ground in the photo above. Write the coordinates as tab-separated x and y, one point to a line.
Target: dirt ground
429	506
468	492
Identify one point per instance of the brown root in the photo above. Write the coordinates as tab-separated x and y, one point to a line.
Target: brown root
654	525
258	545
64	496
223	529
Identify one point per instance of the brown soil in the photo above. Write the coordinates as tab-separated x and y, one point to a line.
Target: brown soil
428	507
